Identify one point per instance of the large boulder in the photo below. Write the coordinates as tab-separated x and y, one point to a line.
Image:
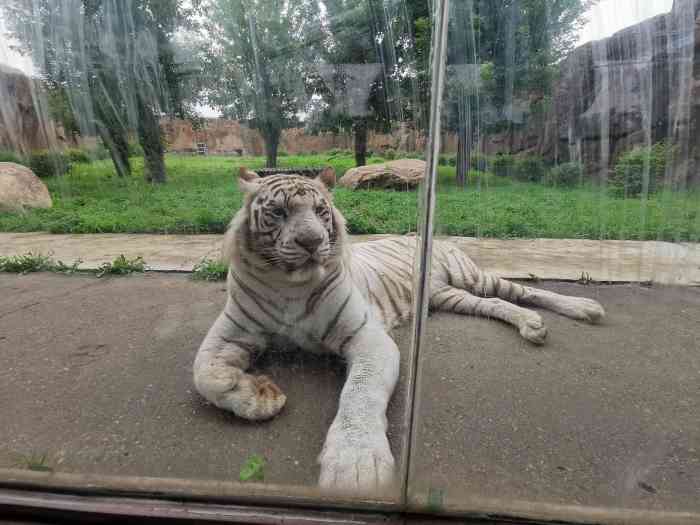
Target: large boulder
402	174
20	189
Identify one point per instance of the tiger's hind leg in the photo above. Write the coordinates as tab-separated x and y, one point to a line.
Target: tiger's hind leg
455	300
579	308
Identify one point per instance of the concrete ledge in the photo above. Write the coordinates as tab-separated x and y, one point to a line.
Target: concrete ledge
118	494
561	259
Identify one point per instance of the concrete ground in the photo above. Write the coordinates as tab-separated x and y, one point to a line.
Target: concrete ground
96	373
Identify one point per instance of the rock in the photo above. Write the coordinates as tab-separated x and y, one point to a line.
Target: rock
22	128
402	174
641	85
20	189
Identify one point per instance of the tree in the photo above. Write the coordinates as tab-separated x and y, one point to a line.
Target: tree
497	50
360	68
114	62
254	56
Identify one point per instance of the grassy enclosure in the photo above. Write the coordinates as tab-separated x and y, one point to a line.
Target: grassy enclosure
201	196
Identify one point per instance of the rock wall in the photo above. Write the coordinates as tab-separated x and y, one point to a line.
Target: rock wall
21	127
231	137
638	87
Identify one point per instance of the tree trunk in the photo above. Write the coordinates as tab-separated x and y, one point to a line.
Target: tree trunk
464	137
271	137
463	153
360	131
151	142
116	141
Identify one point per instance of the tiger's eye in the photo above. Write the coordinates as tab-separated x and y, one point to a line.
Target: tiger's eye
278	212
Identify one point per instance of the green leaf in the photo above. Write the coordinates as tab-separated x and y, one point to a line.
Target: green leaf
253	469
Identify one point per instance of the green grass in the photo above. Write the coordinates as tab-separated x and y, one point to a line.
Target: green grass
201	197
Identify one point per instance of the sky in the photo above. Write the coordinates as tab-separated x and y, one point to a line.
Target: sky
605	19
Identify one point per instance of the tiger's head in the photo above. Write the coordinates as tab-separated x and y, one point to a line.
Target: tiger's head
288	223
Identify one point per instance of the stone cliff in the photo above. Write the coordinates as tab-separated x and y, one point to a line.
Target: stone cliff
640	86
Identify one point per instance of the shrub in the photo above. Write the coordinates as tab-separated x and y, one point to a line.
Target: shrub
78	156
282	153
390	154
48	163
9	156
627	178
566	175
529	169
479	162
414	155
447	160
503	165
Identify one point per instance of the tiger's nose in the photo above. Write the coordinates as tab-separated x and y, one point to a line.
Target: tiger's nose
309	242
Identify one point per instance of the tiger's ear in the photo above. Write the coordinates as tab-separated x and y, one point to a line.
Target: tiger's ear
248	181
327	177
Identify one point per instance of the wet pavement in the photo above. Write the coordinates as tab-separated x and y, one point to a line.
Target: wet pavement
96	374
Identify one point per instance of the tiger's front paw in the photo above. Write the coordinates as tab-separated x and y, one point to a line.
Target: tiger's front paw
357	465
248	396
533	329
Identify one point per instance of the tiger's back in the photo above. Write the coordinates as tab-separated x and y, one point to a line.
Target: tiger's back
383	272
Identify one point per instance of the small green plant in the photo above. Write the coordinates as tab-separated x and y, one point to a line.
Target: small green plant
529	169
253	469
210	270
27	263
282	153
503	165
49	163
36	262
35	461
390	154
567	175
78	156
122	266
10	156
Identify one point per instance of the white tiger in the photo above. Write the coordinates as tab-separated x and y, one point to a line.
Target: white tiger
294	276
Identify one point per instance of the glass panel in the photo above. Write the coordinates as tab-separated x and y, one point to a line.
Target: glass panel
569	166
135	115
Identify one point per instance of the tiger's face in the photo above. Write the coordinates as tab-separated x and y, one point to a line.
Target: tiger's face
290	221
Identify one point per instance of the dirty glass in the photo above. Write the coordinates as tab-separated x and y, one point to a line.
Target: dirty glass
150	125
559	371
